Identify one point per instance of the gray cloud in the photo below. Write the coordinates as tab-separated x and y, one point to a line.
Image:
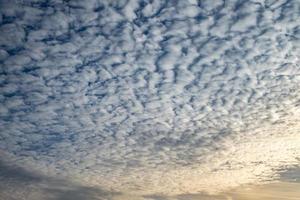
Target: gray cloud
18	183
291	175
132	95
17	173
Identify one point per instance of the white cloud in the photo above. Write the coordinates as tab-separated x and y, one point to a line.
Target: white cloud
151	98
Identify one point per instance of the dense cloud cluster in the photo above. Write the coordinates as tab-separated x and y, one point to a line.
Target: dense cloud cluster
150	96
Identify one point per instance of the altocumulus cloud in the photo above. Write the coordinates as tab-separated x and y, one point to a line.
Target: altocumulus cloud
150	98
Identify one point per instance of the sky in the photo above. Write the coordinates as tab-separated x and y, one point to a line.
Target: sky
149	99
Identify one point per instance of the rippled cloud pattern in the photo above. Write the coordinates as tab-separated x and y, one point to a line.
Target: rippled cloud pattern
151	97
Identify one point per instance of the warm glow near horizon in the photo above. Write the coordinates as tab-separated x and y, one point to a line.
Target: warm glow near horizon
272	191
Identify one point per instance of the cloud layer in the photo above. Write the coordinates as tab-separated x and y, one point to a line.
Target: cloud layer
151	97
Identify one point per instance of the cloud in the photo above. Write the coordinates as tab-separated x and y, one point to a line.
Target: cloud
280	190
18	183
291	175
147	97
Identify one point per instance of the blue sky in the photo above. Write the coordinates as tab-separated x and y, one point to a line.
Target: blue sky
152	99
